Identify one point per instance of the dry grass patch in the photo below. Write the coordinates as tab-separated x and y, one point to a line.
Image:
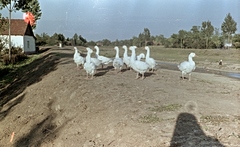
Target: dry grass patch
170	107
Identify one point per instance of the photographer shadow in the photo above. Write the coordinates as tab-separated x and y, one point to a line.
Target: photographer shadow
188	133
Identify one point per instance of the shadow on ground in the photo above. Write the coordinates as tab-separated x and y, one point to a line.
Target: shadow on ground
189	133
27	76
44	131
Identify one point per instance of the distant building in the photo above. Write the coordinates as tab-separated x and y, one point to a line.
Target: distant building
227	45
21	35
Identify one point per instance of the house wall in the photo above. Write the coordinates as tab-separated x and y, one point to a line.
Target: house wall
29	44
17	41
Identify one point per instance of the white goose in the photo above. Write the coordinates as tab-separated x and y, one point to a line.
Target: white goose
139	66
140	56
95	61
150	61
89	66
117	62
126	58
78	59
103	59
186	67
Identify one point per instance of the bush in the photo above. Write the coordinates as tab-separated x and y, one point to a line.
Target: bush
14	59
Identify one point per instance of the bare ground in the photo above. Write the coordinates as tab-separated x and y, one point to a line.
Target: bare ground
52	104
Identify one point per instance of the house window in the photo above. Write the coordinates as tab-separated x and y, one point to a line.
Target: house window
28	44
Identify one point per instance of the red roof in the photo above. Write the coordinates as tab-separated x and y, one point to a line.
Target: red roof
19	27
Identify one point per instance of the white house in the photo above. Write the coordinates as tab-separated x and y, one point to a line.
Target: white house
21	35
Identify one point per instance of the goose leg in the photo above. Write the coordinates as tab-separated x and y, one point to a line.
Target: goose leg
87	76
182	76
137	75
143	77
189	77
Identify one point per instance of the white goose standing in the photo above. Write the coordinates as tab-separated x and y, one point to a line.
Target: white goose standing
117	62
78	59
89	66
186	67
139	66
140	56
103	59
150	61
95	61
126	58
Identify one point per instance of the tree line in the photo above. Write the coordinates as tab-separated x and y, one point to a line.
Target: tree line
201	37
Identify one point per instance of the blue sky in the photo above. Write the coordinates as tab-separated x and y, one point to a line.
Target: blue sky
122	19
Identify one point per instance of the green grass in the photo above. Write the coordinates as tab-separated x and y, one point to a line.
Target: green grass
214	119
150	118
176	54
8	71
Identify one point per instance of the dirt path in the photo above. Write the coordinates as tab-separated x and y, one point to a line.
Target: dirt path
52	104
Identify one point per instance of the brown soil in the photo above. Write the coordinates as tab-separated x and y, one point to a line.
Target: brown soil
52	104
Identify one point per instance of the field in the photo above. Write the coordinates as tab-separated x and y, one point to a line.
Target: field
50	103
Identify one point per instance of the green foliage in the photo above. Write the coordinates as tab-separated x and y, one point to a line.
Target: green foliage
3	27
3	24
236	40
207	31
198	37
41	40
106	42
17	56
34	7
229	26
24	5
78	40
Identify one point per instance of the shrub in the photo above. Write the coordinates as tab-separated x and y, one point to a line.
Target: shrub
14	59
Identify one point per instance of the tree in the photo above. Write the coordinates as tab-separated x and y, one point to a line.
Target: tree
3	27
146	35
236	41
42	39
61	39
82	40
196	41
182	35
13	5
207	31
216	39
3	24
106	42
34	8
75	39
229	26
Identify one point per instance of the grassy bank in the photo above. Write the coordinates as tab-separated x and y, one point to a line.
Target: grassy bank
9	72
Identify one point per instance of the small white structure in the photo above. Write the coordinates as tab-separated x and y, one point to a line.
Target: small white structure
227	45
21	35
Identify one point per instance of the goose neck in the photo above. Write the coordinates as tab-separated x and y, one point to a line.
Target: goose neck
133	55
88	57
190	59
148	53
117	53
125	52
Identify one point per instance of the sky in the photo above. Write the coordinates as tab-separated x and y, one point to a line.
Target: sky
122	19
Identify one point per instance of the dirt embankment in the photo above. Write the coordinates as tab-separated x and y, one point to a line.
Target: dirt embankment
52	104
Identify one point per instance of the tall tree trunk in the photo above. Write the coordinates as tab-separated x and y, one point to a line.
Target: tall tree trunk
9	33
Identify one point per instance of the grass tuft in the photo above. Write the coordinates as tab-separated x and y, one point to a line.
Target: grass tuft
170	107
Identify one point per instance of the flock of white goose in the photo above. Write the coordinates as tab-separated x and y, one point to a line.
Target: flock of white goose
132	62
